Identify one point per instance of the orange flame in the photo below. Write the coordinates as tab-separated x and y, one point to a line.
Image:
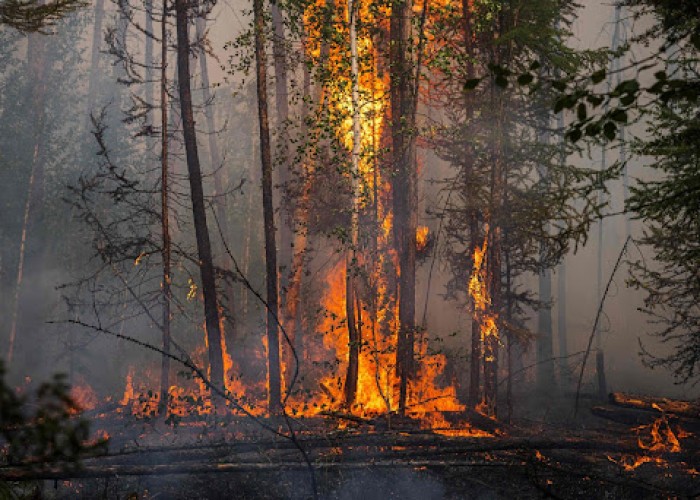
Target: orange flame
421	237
661	439
83	395
478	291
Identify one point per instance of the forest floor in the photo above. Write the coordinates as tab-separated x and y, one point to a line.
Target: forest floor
233	457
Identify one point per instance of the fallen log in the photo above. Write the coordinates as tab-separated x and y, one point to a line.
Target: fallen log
677	407
404	447
637	417
57	472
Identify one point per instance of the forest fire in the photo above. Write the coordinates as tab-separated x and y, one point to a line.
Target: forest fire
320	249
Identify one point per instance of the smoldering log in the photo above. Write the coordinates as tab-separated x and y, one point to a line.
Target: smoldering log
677	407
113	471
634	417
418	458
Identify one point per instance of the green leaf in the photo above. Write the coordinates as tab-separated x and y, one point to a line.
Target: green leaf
501	81
559	85
627	99
525	79
593	129
594	100
559	104
598	76
574	135
627	87
581	112
619	115
472	83
610	130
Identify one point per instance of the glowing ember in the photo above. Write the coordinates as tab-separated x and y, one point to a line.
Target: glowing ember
421	237
83	395
661	439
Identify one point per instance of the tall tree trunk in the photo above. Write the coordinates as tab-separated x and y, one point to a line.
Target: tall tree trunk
211	312
217	167
148	60
403	186
273	355
562	333
94	58
476	353
282	108
545	350
300	217
36	75
494	284
165	213
351	263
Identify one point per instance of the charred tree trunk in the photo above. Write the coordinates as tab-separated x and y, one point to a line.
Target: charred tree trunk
206	265
165	212
354	328
273	356
403	186
476	353
302	210
216	166
497	195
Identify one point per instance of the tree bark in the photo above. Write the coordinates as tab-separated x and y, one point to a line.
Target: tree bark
473	398
206	266
217	168
351	262
545	351
676	406
403	186
282	107
165	213
273	356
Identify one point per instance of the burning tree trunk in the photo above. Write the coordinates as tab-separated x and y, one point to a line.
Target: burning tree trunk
273	356
475	348
351	297
206	265
165	227
497	191
403	186
300	220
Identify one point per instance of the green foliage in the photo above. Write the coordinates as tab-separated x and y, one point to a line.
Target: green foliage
45	430
30	16
498	121
670	207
